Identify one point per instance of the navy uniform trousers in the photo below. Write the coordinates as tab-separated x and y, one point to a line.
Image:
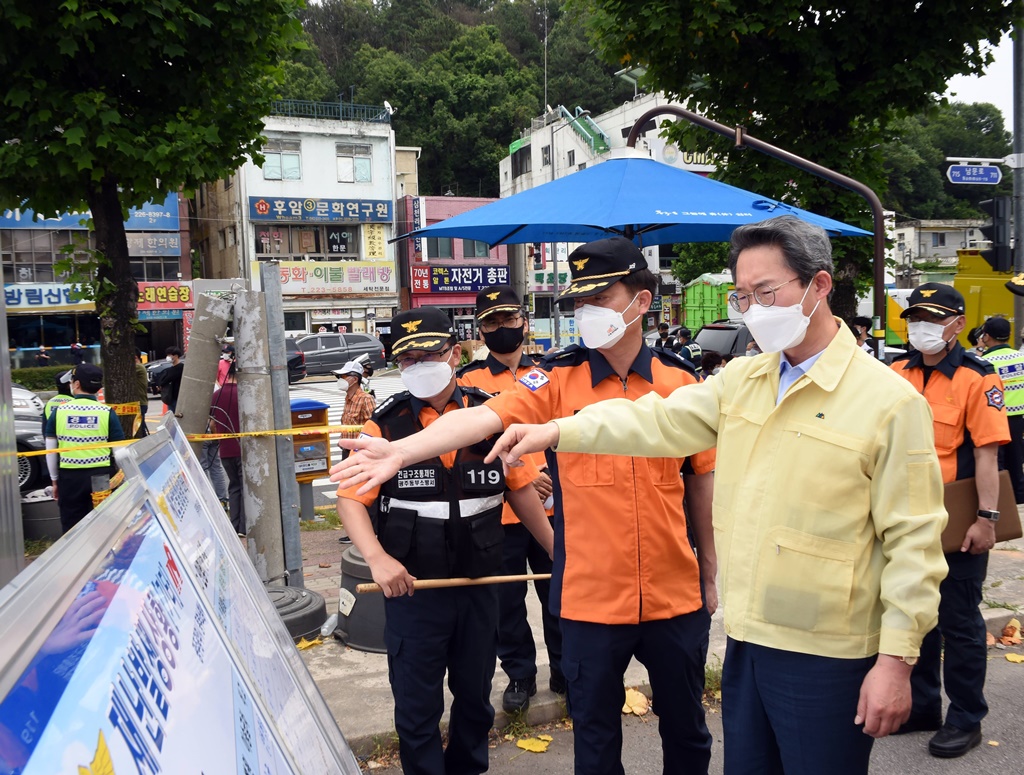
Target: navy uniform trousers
435	630
961	632
594	661
516	647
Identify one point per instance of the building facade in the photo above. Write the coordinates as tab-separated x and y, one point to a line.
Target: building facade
321	205
44	311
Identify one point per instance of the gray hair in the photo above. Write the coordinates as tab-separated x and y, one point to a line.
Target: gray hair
805	247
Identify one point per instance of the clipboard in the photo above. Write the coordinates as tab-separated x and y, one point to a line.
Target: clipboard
961	499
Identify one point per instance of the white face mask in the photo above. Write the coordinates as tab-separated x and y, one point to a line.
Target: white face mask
601	327
427	379
169	359
929	338
778	328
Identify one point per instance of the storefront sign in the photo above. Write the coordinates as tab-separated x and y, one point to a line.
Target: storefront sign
149	217
153	244
339	240
160	314
320	210
165	296
373	242
418	206
457	279
44	297
334	277
545	281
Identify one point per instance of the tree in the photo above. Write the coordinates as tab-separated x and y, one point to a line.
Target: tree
697	258
109	104
825	82
305	77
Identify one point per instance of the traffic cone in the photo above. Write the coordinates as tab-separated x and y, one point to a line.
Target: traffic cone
163	411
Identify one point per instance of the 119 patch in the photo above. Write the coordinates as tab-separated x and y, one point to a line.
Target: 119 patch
995	398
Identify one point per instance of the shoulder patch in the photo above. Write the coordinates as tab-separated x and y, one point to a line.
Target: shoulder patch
471	366
390	404
978	364
573	355
534	379
995	398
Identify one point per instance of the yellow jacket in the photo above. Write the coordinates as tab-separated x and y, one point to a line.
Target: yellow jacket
828	508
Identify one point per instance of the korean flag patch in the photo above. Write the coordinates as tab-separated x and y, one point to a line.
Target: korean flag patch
995	398
534	379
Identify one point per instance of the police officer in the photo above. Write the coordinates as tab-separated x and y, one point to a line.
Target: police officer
503	326
63	380
626	581
80	421
969	417
1009	363
438	518
666	340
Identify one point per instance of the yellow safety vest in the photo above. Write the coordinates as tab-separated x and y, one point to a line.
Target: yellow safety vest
83	421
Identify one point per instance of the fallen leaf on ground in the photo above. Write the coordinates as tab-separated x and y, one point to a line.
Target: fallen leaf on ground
304	644
636	703
1018	658
545	738
325	565
994	743
533	744
1011	633
990	639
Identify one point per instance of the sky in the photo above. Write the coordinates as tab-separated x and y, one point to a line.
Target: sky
996	86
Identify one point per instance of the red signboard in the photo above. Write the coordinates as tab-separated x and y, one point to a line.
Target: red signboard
165	296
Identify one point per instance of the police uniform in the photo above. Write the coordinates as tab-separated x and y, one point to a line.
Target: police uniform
440	518
517	650
625	579
967	403
74	423
1009	365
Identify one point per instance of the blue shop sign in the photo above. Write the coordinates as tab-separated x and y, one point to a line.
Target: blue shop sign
311	210
149	217
159	314
466	279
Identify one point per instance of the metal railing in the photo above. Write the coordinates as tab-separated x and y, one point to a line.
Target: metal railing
338	111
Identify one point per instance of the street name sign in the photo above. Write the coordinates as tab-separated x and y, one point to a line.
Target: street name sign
978	174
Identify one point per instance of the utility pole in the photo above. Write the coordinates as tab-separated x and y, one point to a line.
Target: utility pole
1018	174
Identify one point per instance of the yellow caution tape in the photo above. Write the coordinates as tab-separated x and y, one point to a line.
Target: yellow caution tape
319	430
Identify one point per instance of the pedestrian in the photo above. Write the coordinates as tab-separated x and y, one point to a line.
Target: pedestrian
224	414
77	353
861	327
42	357
626	581
711	363
503	326
828	512
81	421
1009	363
359	404
227	357
967	401
170	378
665	340
142	392
439	519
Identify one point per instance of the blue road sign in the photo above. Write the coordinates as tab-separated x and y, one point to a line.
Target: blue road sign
979	174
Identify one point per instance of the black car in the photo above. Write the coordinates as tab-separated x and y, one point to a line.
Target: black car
326	352
725	337
32	471
296	368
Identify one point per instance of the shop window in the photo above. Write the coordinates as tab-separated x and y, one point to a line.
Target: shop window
282	160
439	247
939	240
354	163
570	157
475	249
545	156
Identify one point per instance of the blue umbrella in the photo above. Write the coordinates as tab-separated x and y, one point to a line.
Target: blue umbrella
651	202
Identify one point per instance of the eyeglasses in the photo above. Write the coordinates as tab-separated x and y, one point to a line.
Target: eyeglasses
765	296
488	326
405	361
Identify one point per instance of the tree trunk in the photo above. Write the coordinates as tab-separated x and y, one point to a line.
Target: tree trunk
116	295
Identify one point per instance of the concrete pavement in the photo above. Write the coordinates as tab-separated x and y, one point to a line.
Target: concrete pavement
355	684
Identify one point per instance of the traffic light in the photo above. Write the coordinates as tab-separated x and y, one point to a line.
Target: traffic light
997	232
538	256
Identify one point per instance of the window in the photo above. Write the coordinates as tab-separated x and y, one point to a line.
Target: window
295	243
353	163
229	181
28	255
545	156
475	249
570	157
439	247
282	160
521	161
938	240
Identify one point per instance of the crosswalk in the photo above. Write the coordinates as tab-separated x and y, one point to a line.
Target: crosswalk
383	385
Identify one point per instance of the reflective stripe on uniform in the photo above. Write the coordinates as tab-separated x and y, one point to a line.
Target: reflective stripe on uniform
440	510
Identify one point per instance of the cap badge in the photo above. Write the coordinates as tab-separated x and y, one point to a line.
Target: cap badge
493	296
580	264
926	294
411	326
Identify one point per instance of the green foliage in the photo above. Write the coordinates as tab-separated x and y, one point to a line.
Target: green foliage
304	76
915	160
106	105
697	258
824	82
38	377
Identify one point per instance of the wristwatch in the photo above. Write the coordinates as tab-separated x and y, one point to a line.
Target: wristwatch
989	515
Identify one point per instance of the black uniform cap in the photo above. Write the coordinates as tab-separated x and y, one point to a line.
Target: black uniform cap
937	298
426	328
497	298
598	265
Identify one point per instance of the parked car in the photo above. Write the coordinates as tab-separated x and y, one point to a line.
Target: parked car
326	352
153	371
32	471
25	403
296	368
726	337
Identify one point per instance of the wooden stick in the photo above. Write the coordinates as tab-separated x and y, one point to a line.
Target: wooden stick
463	582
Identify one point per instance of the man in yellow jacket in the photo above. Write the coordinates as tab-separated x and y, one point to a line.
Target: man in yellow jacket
828	510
